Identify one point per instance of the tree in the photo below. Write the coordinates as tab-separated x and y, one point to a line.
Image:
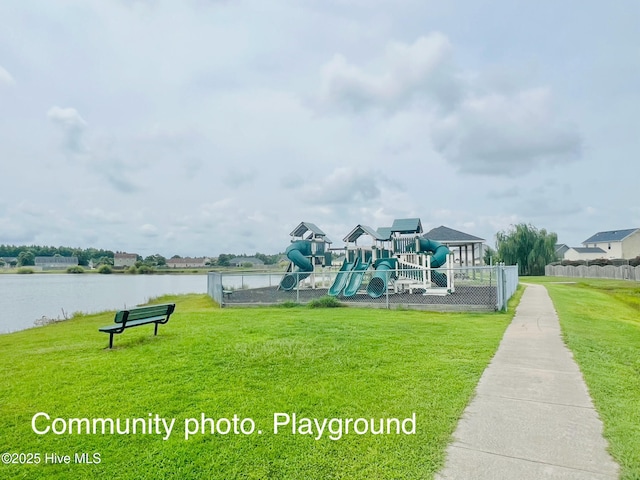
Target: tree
26	257
223	259
531	249
490	256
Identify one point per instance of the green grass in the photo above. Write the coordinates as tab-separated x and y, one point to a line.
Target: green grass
319	363
600	320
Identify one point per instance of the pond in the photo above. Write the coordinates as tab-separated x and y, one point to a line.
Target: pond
28	298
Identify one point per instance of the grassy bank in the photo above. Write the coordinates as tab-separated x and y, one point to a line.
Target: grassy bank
318	363
600	321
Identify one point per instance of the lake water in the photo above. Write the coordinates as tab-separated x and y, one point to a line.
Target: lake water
27	298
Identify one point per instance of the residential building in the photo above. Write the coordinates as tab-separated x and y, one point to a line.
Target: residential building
122	259
55	262
616	243
583	253
242	261
188	262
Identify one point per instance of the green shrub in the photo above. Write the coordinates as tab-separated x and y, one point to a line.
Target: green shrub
25	270
325	302
132	269
145	269
288	304
75	269
105	269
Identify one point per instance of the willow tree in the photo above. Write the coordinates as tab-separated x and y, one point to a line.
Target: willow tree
531	249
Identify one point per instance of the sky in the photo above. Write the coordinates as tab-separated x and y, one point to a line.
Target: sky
202	127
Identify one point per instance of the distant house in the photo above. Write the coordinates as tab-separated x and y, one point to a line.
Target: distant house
188	262
124	259
56	262
561	249
242	261
616	243
583	253
467	249
8	261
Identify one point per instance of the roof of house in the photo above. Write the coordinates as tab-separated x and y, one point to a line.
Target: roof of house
610	236
125	255
360	230
588	249
186	260
407	225
446	234
58	260
561	247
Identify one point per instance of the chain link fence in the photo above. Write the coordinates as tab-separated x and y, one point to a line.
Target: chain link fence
457	289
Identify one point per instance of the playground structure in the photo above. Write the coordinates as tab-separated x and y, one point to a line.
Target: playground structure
394	258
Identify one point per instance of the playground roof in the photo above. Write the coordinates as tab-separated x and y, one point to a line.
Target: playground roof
407	225
360	230
305	227
385	233
446	234
610	236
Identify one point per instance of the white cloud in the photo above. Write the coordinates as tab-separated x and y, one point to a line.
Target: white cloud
477	128
6	78
500	134
72	124
149	230
409	73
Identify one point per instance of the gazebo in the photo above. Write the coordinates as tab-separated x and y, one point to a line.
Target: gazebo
461	244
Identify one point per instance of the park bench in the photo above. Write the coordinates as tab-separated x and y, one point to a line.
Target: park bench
134	317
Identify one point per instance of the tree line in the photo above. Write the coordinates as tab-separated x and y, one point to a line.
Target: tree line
25	256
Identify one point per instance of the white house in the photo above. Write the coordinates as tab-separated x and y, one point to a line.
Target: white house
188	262
122	259
616	243
584	253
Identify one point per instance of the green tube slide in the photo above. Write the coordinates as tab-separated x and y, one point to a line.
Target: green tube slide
341	279
378	283
439	254
297	252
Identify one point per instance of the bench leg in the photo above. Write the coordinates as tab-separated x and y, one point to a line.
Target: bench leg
155	330
110	340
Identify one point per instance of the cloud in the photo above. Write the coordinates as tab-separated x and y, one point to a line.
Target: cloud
73	126
505	134
6	78
478	126
345	185
149	230
409	73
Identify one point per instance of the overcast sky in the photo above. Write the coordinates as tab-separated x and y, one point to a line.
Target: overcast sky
202	127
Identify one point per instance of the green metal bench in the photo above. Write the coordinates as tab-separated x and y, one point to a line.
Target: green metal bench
134	317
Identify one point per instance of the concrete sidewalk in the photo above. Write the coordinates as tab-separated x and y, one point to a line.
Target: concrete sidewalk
532	416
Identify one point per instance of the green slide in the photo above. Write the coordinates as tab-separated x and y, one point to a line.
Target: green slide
342	278
439	254
297	252
355	280
378	284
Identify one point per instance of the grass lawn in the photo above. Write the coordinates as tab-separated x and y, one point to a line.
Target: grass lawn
317	363
600	320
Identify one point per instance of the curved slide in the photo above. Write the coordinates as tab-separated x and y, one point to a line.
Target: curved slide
355	279
378	283
297	252
341	279
439	254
